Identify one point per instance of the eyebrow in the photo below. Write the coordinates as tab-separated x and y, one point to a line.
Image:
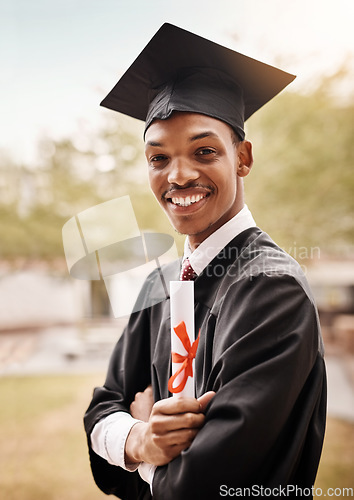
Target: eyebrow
154	144
197	137
203	135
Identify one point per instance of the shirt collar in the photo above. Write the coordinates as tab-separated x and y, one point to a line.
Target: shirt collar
211	246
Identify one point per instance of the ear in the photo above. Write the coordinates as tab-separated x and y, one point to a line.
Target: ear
245	158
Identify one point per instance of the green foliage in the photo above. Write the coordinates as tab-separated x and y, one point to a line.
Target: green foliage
66	180
300	189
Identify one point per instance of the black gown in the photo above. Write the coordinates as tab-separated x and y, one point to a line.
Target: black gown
260	350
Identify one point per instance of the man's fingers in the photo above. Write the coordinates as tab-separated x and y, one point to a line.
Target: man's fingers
162	424
181	438
205	399
173	406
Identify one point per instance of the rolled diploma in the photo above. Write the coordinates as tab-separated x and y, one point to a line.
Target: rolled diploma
182	309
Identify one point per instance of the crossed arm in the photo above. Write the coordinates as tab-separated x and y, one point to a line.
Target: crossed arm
259	426
168	427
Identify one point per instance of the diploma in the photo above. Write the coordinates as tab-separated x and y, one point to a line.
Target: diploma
183	343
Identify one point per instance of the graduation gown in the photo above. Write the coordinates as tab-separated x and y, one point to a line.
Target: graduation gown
260	350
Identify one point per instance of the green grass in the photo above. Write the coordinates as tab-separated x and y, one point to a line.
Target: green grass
43	448
337	463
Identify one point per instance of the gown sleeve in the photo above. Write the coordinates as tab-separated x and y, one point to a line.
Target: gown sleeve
266	422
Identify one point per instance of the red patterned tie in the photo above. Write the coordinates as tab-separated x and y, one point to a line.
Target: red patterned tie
187	271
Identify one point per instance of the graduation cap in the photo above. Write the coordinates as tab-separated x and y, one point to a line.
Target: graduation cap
181	71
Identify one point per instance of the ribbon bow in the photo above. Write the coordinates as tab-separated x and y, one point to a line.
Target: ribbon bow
187	360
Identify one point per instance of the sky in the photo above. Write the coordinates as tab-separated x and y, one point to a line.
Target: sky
59	58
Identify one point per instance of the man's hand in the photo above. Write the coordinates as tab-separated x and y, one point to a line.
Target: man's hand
171	428
142	405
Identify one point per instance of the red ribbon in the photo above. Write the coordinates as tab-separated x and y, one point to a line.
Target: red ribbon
187	360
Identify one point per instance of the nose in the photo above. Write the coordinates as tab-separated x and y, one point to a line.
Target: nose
182	172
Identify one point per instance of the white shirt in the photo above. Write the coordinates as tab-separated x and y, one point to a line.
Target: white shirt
109	434
211	246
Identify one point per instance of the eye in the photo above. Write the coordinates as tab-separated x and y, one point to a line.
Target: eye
205	152
157	158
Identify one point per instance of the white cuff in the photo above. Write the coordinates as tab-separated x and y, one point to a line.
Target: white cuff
146	472
109	436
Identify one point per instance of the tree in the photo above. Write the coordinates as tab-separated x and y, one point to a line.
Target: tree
70	176
302	186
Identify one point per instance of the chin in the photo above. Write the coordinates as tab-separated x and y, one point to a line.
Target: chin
188	229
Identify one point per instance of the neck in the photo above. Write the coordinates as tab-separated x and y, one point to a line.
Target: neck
196	239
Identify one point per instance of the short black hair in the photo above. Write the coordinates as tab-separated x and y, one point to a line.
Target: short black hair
236	139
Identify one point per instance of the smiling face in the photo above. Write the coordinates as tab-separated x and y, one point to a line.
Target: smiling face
195	171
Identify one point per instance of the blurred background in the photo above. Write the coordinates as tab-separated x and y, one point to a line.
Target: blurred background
60	153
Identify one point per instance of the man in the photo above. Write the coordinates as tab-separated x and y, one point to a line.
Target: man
259	418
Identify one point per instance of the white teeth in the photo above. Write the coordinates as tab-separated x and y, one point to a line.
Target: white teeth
189	200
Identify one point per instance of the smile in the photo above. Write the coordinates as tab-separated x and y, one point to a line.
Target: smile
188	200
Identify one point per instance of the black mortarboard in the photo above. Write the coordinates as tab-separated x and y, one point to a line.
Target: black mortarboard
181	71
